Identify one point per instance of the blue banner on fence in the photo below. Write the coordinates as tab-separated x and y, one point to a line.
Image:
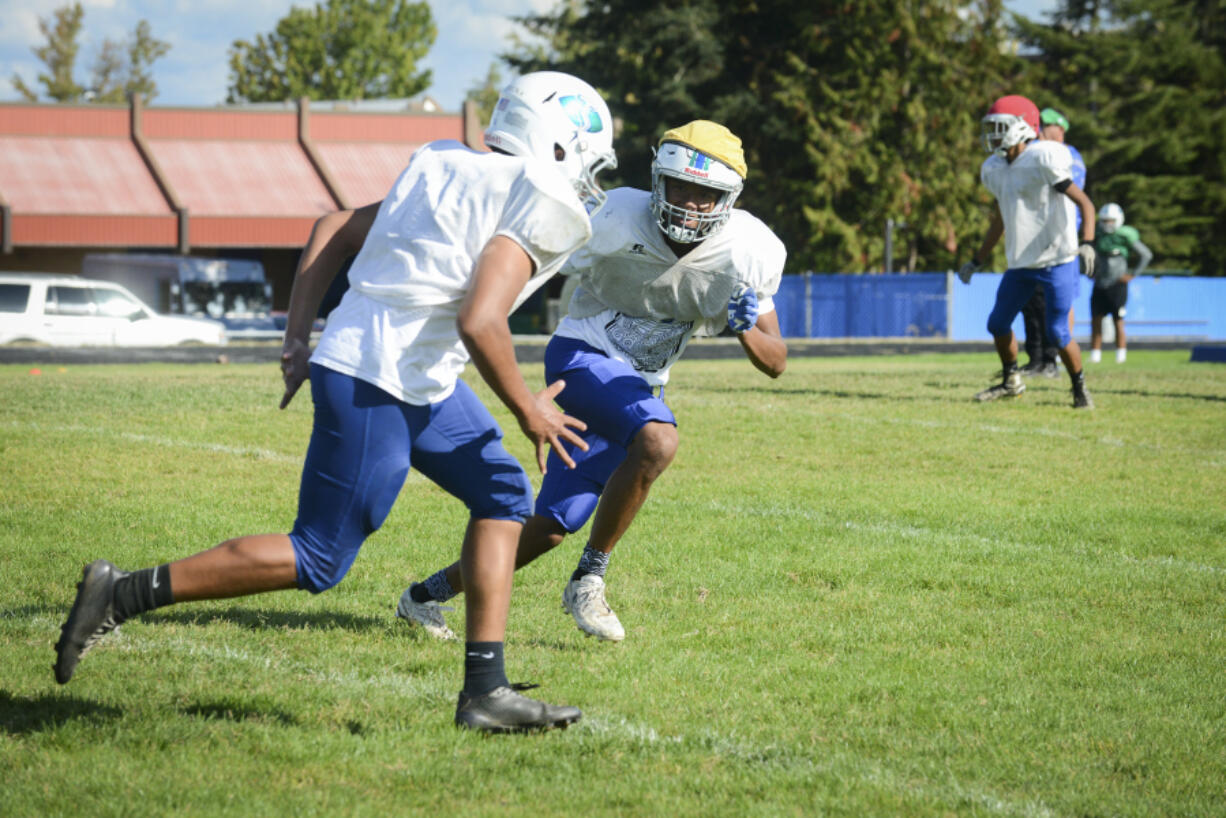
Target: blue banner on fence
925	305
1158	307
863	306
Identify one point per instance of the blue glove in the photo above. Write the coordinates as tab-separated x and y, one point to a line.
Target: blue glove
742	309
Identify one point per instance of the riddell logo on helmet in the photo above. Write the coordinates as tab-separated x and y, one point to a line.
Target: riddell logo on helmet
699	165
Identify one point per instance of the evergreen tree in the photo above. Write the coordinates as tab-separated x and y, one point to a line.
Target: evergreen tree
851	113
112	78
143	50
106	76
342	49
1143	83
884	101
59	55
115	79
487	92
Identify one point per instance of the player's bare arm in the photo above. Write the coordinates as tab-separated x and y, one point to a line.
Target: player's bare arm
502	271
1086	251
334	238
1086	207
996	229
764	345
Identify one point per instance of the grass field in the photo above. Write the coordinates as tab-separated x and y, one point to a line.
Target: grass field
856	592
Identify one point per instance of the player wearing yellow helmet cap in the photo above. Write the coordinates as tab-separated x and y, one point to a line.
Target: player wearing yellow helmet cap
662	266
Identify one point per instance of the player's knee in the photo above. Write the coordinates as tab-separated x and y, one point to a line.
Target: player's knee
509	495
573	513
320	565
999	325
1058	331
655	446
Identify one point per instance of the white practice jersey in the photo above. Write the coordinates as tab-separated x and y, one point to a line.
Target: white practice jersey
1040	221
637	302
396	325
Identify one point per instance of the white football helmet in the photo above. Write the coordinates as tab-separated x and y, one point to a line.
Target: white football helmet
560	120
703	153
1010	121
1111	217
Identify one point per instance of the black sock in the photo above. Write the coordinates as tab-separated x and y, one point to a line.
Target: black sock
1010	368
1078	377
143	591
483	668
419	594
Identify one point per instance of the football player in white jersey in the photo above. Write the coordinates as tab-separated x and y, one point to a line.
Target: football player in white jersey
661	267
462	238
1037	203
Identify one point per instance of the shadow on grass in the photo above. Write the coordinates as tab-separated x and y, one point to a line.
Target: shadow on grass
249	618
257	711
26	612
238	711
1146	393
20	715
557	645
257	619
842	394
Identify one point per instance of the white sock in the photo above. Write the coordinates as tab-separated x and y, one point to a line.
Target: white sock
1121	354
1096	355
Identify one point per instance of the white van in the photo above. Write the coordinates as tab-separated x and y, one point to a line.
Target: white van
67	311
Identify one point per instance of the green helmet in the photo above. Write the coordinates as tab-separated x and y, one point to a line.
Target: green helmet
1050	116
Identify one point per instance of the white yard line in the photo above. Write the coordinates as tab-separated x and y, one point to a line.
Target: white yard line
907	531
438	686
1212	458
153	440
835	764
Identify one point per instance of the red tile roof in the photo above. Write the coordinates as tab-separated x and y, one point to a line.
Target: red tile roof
247	178
364	153
80	175
106	175
365	171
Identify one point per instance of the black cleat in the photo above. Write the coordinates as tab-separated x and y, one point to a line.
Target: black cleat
1081	398
1031	368
1046	369
503	710
92	617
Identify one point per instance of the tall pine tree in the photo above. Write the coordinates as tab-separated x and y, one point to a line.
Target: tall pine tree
1143	83
851	113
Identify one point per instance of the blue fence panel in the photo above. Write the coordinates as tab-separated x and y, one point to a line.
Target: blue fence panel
863	306
971	304
816	305
1170	307
828	308
790	306
1181	307
899	306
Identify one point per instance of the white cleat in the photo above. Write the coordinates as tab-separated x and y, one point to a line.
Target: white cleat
584	600
1010	387
427	614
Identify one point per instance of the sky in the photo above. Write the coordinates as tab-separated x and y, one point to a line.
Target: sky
471	33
